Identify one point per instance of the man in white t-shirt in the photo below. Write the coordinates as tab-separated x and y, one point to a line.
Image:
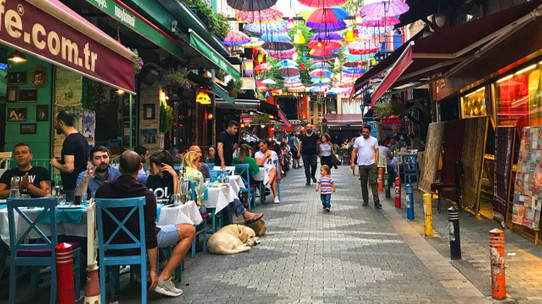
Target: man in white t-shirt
266	158
366	149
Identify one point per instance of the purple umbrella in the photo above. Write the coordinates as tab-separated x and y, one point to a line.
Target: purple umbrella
330	36
327	26
385	8
251	5
288	71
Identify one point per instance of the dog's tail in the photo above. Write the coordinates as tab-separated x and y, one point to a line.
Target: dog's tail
222	250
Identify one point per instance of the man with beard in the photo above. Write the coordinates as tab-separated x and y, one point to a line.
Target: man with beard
224	145
366	149
88	181
74	154
308	149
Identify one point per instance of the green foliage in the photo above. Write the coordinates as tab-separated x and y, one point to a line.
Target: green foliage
93	93
386	109
167	117
216	23
258	120
175	79
234	87
138	64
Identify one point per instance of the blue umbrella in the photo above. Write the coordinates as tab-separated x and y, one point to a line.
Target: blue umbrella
320	65
274	27
286	62
278	37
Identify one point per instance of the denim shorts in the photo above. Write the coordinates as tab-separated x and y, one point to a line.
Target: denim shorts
167	236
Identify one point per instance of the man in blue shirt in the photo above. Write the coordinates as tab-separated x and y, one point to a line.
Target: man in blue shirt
88	181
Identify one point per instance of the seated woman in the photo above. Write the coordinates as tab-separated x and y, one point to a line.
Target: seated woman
245	157
191	162
163	181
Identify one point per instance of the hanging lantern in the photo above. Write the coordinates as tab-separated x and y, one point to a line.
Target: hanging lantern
320	79
373	62
349	36
359	19
260	57
290	24
203	98
302	66
319	95
267	94
360	66
299	38
304	57
295	56
356	33
319	43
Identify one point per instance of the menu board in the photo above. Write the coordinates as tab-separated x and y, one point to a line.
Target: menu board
528	184
504	150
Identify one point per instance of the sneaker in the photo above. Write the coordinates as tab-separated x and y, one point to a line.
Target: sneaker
314	179
308	183
168	288
365	204
378	205
327	209
276	201
267	190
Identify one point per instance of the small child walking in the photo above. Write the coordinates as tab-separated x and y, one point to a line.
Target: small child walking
326	186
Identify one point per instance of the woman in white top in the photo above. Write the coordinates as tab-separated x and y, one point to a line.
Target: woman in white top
326	150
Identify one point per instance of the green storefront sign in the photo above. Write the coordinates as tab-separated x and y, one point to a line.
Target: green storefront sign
139	26
200	45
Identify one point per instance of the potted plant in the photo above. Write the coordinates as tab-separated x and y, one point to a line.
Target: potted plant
175	79
234	87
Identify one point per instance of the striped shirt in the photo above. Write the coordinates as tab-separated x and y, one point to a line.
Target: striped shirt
325	183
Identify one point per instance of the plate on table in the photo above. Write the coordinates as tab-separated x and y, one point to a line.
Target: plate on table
69	207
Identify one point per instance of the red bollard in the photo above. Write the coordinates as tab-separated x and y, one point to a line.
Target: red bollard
496	249
380	179
64	274
397	192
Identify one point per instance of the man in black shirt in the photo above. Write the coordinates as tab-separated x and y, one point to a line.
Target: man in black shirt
74	154
32	180
224	145
308	148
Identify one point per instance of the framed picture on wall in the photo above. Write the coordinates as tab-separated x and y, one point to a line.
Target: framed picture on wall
28	95
16	114
149	111
28	128
11	94
42	113
17	77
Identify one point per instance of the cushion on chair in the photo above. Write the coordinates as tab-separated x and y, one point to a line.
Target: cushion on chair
40	252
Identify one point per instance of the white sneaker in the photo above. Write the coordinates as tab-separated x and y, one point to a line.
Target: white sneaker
276	201
168	288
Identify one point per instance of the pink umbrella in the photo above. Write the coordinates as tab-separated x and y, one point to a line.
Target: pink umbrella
378	22
266	16
385	8
263	66
235	38
333	45
322	3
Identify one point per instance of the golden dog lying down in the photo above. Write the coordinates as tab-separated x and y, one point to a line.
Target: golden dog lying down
259	227
232	239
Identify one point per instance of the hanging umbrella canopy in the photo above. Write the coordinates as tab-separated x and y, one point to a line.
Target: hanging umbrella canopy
324	30
291	78
327	36
380	21
324	80
235	38
359	57
353	71
277	46
318	89
254	43
286	63
288	71
334	26
378	30
297	89
268	81
281	55
265	16
263	66
277	37
385	8
320	73
325	15
322	3
362	48
251	5
323	58
325	51
320	65
274	27
333	45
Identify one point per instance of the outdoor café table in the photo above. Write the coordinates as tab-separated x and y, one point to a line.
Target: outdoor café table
219	197
236	182
187	213
263	175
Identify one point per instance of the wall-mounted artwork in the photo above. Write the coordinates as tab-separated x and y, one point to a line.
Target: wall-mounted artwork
28	95
17	77
28	128
38	76
149	111
149	136
42	113
16	114
11	94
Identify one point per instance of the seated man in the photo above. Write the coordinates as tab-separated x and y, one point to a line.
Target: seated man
180	236
205	171
143	155
267	158
32	180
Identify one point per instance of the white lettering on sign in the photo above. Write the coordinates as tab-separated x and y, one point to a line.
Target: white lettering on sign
101	3
124	16
42	39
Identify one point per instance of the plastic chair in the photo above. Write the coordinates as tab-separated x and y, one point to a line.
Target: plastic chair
114	215
201	229
243	170
40	253
409	163
210	165
278	178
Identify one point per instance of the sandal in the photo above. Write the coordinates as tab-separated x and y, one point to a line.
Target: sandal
255	217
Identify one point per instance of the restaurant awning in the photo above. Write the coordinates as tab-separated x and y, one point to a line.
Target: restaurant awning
444	49
239	104
203	55
52	32
222	93
343	119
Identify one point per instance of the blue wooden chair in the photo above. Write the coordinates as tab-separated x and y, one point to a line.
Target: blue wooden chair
278	177
115	214
243	170
210	165
37	254
201	229
409	163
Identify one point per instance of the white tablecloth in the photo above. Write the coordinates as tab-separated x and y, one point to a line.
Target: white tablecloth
236	182
182	214
263	175
219	197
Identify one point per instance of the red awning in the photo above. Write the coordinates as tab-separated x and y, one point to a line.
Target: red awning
53	32
283	118
445	48
396	70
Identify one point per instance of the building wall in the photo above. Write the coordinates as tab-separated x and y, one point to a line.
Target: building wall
149	98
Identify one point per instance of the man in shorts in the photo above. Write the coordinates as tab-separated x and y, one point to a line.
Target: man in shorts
179	236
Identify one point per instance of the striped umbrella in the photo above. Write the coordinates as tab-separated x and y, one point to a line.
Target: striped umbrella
320	73
251	5
288	71
320	65
327	36
322	3
274	27
235	38
265	16
277	37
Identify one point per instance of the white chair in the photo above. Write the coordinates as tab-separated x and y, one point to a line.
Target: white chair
5	158
230	170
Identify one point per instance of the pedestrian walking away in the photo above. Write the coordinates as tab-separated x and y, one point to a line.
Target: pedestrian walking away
326	186
366	149
308	149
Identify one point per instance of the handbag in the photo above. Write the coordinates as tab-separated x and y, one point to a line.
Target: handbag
335	160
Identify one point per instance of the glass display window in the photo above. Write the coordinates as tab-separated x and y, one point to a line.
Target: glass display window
519	97
474	104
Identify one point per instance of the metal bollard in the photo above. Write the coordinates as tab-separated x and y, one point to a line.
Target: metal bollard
397	192
496	249
64	274
387	185
380	179
428	212
453	227
410	202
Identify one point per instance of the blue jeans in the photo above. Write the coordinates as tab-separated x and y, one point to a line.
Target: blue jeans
237	207
326	200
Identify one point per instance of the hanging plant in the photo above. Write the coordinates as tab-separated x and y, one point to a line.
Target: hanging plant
216	23
138	64
259	120
234	87
386	109
174	79
167	117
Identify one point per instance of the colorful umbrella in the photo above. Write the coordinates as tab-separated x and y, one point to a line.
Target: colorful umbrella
318	89
326	26
268	81
296	89
265	16
280	55
322	3
320	65
378	30
277	37
288	71
359	57
286	63
385	8
379	21
263	66
362	48
333	45
323	58
277	46
320	73
235	38
326	30
274	27
353	71
251	5
327	36
292	78
324	80
325	15
254	43
325	51
352	64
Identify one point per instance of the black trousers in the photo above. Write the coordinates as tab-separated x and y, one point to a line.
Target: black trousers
326	160
310	163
